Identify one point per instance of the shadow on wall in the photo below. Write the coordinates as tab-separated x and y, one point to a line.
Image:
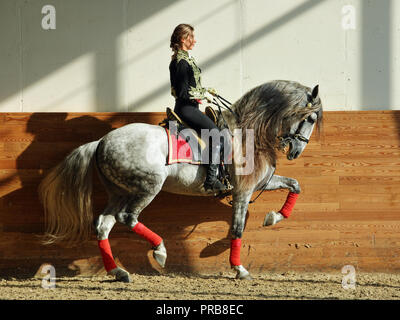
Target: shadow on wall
50	51
242	43
176	218
377	59
53	50
83	27
51	137
376	35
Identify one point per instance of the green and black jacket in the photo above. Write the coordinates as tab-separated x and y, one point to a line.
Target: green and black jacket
185	77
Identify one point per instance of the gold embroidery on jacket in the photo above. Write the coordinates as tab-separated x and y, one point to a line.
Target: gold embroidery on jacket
194	92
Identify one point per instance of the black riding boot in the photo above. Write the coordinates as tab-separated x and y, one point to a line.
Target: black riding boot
212	182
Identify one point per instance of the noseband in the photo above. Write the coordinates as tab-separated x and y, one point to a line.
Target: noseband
284	140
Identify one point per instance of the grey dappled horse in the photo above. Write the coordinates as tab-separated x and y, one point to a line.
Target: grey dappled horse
131	162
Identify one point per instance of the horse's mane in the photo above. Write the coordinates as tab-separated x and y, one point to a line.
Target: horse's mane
270	109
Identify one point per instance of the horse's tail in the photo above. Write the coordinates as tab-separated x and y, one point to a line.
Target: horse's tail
66	197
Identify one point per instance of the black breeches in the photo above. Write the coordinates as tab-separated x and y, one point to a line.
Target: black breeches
197	120
194	117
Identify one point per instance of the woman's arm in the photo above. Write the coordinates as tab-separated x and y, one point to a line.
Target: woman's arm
182	80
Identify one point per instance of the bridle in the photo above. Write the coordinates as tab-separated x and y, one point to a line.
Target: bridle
289	137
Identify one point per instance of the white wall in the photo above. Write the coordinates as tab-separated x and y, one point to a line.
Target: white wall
113	55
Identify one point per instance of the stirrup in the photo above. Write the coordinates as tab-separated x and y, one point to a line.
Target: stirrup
214	189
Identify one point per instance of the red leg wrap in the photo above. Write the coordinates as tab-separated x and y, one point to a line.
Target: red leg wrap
106	254
147	234
234	258
289	204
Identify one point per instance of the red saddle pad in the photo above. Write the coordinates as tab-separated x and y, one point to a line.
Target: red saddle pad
179	151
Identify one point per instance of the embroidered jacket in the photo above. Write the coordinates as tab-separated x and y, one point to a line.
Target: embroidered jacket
185	77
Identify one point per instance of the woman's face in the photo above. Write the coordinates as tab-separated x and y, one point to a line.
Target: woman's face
189	42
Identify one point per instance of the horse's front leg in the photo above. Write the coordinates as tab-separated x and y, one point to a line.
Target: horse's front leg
279	182
240	204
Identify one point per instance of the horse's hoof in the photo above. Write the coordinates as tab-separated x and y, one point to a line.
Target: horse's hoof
160	254
272	218
242	273
120	275
125	279
160	257
245	277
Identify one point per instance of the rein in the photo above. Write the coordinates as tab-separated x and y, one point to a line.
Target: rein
224	103
285	139
262	190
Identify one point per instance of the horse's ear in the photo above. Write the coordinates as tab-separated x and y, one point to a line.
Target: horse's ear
314	93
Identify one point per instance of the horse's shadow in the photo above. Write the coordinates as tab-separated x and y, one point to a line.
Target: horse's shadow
176	218
52	136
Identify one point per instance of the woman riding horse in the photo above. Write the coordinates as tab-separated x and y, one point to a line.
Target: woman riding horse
188	92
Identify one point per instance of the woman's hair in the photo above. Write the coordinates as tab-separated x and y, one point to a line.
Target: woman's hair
183	30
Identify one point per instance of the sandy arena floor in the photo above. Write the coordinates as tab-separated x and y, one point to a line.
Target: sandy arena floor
289	285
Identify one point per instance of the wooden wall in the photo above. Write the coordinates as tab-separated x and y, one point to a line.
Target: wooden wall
348	211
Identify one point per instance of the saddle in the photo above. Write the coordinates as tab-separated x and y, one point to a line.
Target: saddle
186	146
172	116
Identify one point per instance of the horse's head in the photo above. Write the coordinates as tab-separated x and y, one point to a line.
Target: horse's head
282	115
296	135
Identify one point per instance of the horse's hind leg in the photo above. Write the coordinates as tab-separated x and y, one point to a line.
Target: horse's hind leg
130	217
103	225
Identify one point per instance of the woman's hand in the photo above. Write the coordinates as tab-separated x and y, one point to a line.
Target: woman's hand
212	91
208	96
